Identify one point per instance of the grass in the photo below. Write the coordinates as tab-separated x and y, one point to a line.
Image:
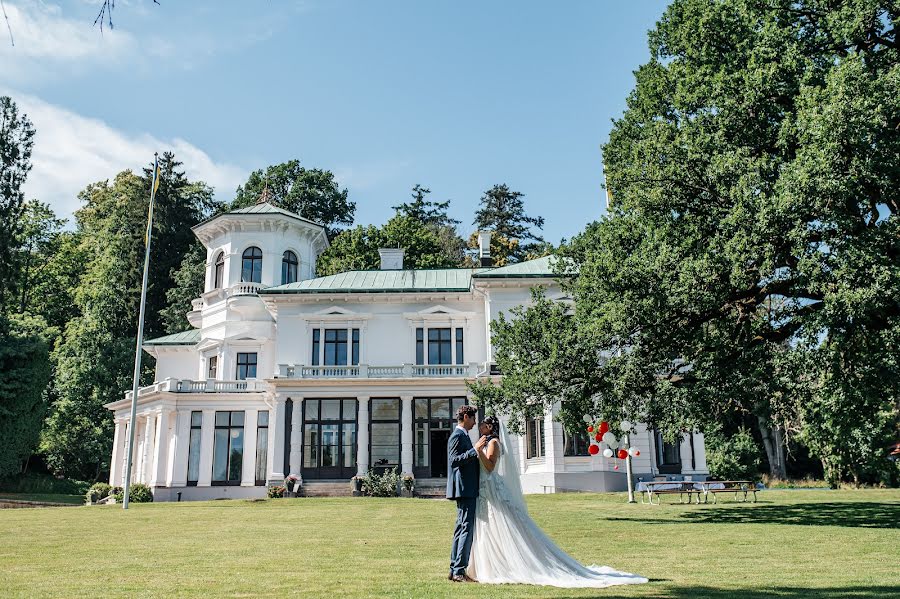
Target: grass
792	544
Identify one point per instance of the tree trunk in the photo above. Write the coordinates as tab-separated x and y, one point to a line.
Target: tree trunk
774	449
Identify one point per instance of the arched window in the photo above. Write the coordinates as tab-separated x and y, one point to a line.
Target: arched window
219	276
251	265
289	268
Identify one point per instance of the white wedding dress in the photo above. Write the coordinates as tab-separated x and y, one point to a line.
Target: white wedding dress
509	547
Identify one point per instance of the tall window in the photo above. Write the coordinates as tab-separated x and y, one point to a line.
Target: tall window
212	367
289	267
219	271
575	445
534	433
329	438
439	346
384	436
193	471
339	345
668	456
228	448
262	446
251	265
246	366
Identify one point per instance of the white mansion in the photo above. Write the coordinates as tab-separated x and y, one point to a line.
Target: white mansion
326	378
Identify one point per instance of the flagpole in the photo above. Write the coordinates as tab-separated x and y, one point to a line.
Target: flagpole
140	335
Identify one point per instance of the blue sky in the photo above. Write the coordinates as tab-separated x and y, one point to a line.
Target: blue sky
456	96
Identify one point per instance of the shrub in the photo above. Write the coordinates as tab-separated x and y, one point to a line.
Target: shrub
380	485
275	492
139	493
98	491
38	483
735	457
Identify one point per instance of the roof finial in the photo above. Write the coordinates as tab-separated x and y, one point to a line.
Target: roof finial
264	196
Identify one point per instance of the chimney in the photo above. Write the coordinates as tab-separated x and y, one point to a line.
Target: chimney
484	249
391	258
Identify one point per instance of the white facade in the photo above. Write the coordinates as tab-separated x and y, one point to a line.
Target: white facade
326	378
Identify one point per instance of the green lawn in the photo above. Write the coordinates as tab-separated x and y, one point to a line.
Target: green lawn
796	544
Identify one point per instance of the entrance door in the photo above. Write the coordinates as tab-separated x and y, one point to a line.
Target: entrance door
433	423
439	458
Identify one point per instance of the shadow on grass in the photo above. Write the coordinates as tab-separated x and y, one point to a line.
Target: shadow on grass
873	592
855	515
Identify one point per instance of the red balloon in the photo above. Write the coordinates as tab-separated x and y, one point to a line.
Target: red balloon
622	454
594	449
637	452
604	427
590	429
598	437
616	467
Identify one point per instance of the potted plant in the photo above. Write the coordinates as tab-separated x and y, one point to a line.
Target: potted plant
409	485
292	485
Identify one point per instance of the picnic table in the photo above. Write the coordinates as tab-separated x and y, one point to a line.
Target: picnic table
691	488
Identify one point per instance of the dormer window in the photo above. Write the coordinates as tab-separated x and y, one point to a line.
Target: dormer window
251	265
219	272
289	265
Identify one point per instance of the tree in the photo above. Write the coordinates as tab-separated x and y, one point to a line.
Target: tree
94	357
39	235
357	249
503	212
188	280
25	368
16	140
753	230
313	194
434	216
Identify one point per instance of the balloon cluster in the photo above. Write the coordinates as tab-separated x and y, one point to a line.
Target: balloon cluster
602	436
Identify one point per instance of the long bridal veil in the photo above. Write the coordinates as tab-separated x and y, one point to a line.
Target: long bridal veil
508	470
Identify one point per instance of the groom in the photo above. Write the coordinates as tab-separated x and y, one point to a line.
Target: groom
462	485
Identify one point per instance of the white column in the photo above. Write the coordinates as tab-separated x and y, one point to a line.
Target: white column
181	439
296	446
362	436
685	452
137	460
124	462
406	435
148	450
700	453
207	430
115	463
270	432
160	449
276	448
248	476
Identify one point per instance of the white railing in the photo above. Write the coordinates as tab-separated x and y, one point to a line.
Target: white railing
364	371
244	289
207	386
197	304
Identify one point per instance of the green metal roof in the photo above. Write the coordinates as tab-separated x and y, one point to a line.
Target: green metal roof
539	268
191	337
383	281
264	208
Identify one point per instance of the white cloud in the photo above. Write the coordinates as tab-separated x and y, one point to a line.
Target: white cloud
71	151
46	42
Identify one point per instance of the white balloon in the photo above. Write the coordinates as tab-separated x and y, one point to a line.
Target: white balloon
626	426
609	438
586	418
607	453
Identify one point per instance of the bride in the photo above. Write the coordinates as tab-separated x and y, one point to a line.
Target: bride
508	546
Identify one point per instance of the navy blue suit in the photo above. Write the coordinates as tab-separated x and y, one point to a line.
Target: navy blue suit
463	474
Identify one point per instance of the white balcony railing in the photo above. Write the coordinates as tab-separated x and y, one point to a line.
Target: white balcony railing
240	289
364	371
207	386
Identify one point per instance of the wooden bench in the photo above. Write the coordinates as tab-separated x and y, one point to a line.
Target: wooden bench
714	487
672	487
